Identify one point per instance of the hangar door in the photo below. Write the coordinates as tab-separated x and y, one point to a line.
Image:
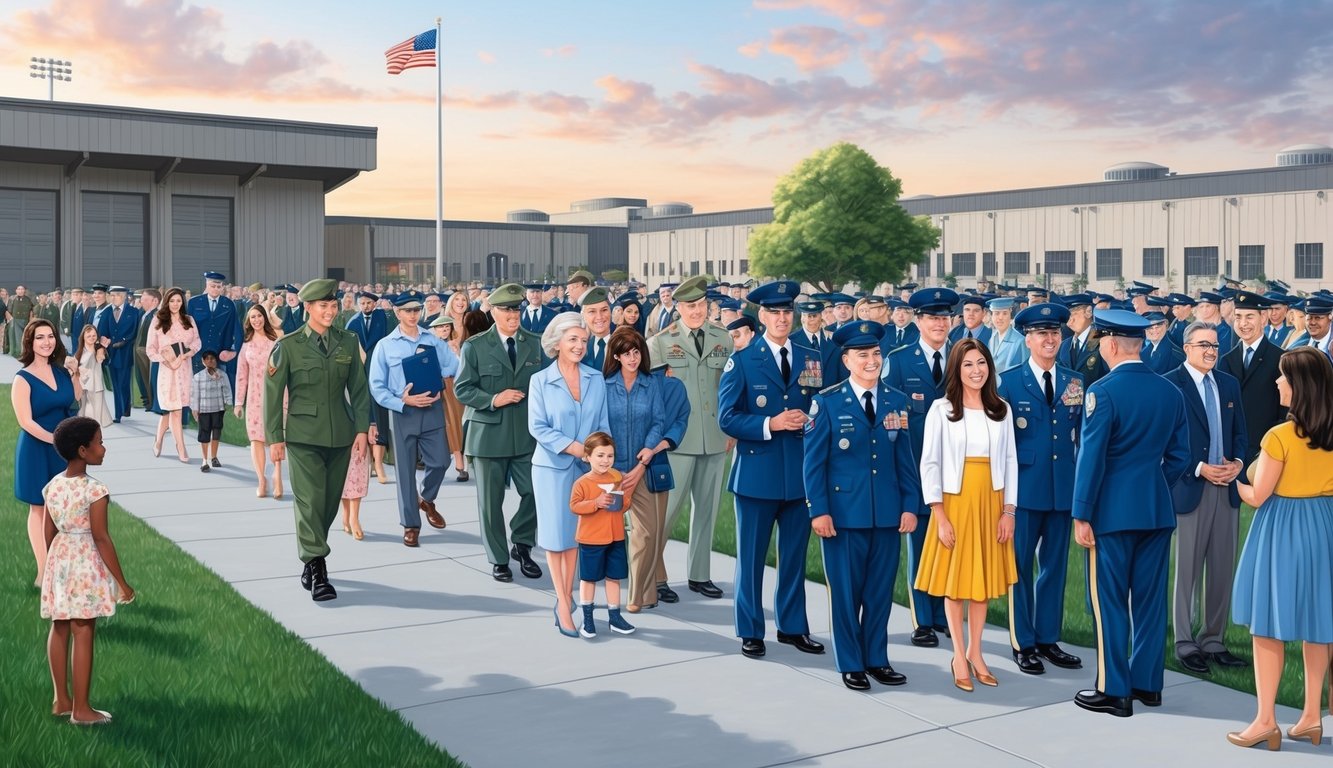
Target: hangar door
28	239
201	240
115	239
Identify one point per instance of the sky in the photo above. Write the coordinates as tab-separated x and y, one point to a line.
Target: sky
711	101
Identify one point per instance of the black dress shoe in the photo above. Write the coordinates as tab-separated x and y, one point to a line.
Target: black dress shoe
1096	701
1059	658
943	629
706	588
886	676
753	648
1224	658
1028	661
856	681
502	573
305	577
666	594
320	588
1196	663
924	637
526	565
1146	698
803	643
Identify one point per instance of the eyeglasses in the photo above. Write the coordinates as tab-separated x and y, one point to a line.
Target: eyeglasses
1206	346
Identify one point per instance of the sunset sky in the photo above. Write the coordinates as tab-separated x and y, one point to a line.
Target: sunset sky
709	101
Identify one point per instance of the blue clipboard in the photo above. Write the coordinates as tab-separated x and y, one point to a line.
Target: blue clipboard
422	371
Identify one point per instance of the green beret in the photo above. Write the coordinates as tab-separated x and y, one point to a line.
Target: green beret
323	289
507	295
693	289
581	276
443	319
594	296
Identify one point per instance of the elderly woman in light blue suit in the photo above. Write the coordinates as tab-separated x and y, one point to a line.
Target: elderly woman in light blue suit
566	403
1005	342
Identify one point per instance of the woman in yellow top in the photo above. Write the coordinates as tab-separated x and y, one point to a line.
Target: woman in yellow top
1284	584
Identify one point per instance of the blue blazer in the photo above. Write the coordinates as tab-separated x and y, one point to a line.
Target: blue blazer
752	390
840	445
544	318
1089	363
1123	474
369	334
555	419
1177	332
219	330
910	374
1045	437
1166	356
911	334
982	333
1280	336
1187	489
120	354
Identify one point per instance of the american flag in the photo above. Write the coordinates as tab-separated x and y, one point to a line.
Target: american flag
416	51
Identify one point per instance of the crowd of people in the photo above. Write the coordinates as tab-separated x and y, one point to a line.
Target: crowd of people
608	410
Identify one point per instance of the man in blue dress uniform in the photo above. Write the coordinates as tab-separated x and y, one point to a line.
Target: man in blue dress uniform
1209	310
1182	313
595	306
918	371
854	425
763	397
1079	350
292	314
901	331
974	312
1047	399
1276	329
370	325
1159	352
536	316
117	329
219	325
1123	514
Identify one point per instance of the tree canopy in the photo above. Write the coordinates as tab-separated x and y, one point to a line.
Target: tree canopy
836	219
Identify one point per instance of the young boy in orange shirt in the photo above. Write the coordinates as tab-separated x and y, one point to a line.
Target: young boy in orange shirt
598	501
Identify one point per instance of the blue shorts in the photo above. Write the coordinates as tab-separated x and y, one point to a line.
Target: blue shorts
603	561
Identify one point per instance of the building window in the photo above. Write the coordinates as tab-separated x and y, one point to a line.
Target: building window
476	270
694	268
1109	264
745	267
923	266
965	264
1201	260
661	268
939	263
988	265
1017	262
1309	261
1251	262
1059	262
1154	262
708	267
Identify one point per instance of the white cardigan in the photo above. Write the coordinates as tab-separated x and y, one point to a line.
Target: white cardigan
943	450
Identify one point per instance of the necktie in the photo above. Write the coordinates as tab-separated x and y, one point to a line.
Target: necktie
899	340
698	341
870	407
786	365
323	347
1214	421
212	305
814	341
1150	345
1249	355
532	317
601	349
1050	388
115	313
937	370
513	353
968	333
1077	349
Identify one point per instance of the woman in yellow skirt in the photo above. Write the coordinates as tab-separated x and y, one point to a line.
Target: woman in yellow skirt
969	477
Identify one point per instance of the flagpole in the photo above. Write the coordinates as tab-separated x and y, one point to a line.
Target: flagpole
439	163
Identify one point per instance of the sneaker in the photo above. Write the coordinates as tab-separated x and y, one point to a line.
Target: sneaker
589	629
204	467
618	623
216	463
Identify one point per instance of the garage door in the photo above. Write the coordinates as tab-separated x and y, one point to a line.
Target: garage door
201	239
115	239
28	239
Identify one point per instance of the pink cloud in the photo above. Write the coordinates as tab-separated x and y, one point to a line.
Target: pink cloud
564	51
811	48
486	57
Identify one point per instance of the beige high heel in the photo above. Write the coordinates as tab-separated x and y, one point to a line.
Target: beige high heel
1272	738
1313	734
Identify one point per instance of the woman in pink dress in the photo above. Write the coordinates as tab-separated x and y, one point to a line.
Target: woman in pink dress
260	334
172	341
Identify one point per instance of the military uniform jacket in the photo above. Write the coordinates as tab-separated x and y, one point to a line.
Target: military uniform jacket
328	398
751	390
981	334
1279	336
292	317
120	352
1165	356
66	314
219	329
701	377
1088	363
1258	390
840	445
484	371
544	317
20	307
141	334
1121	478
910	335
1046	437
910	373
1177	332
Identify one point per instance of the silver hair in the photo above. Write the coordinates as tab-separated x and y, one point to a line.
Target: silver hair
562	322
1197	325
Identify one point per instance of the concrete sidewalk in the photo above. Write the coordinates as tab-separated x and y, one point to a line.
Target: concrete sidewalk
478	667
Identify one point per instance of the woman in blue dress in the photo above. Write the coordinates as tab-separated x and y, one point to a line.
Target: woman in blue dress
566	403
42	395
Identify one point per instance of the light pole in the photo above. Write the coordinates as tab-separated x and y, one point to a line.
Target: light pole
994	246
944	248
1166	255
51	70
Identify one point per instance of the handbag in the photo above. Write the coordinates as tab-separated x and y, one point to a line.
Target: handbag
658	474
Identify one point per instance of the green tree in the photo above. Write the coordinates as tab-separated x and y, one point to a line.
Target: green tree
836	219
950	280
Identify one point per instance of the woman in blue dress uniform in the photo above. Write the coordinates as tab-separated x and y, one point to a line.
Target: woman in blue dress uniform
42	395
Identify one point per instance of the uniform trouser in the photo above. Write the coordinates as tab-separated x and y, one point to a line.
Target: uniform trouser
1127	587
754	528
142	375
418	431
384	433
699	479
927	610
1037	603
647	537
861	565
318	474
492	476
16	328
120	387
1205	552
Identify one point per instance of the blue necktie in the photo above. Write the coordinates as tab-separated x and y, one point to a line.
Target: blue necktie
1214	421
1249	355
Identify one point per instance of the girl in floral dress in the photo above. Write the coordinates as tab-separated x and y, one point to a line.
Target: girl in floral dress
82	580
260	335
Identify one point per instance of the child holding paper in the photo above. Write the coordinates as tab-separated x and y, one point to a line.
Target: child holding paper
598	501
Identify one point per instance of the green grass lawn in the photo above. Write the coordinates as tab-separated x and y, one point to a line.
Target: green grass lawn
194	674
1078	628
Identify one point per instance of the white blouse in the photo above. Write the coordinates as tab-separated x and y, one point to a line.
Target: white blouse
945	445
977	429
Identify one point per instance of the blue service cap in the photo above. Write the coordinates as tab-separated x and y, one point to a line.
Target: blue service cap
1278	297
408	300
824	297
215	276
1208	297
810	307
1030	288
1227	294
534	286
779	294
367	295
933	301
908	287
835	299
1251	300
1154	318
732	305
103	287
872	300
1138	284
118	289
1119	322
896	303
1101	297
389	297
1181	300
1040	317
1298	305
1318	304
744	321
627	298
860	334
973	298
1277	286
1077	300
1003	302
435	295
1126	305
1159	301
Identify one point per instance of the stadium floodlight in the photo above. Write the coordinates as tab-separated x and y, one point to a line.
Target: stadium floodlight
51	70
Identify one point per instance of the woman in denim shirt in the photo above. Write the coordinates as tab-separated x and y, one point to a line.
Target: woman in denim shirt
635	413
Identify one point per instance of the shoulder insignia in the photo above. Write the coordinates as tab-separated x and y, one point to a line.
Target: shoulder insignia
814	407
831	389
1089	404
731	363
274	358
